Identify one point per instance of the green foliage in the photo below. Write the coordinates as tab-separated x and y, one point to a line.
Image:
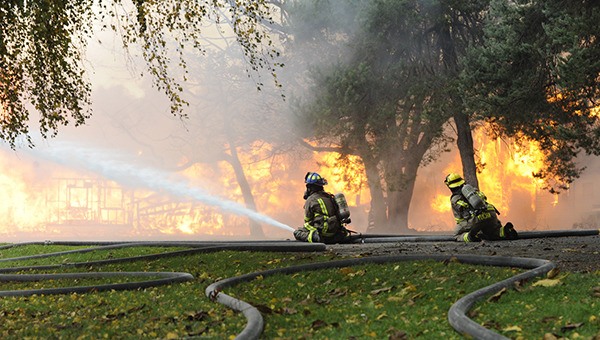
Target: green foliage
389	90
41	64
43	41
536	77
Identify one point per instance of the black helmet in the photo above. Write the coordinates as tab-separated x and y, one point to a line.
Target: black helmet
314	178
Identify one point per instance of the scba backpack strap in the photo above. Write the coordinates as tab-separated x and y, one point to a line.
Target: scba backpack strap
336	207
474	197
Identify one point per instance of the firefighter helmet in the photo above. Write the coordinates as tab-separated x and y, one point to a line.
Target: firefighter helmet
453	180
314	178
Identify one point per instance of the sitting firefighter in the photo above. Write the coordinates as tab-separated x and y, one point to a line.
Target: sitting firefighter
476	219
322	219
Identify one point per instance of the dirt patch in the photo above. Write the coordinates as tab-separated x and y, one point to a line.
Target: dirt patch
571	254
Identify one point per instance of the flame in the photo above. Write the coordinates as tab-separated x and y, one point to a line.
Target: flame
441	203
17	198
503	168
43	199
506	178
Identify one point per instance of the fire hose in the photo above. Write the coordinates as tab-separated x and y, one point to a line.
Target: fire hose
387	238
255	324
457	315
155	278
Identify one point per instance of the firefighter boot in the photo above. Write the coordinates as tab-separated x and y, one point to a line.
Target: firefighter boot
464	237
509	232
315	238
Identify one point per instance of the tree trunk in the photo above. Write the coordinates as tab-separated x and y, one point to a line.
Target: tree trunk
399	205
465	148
240	176
398	212
378	211
463	128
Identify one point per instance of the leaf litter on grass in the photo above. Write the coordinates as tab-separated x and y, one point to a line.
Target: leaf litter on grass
367	300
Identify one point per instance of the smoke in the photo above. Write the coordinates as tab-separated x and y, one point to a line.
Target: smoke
134	140
112	166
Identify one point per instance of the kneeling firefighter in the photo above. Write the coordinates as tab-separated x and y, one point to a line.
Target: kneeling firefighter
476	219
325	215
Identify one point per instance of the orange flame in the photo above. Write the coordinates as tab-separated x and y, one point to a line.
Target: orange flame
44	200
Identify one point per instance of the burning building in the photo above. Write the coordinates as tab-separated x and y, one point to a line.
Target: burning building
45	200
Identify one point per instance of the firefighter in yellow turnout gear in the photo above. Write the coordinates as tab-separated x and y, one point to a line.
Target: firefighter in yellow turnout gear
322	221
476	219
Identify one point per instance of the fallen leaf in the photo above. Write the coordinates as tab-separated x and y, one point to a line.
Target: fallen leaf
322	301
518	286
264	309
417	296
288	311
347	270
197	316
453	259
172	335
497	296
548	319
553	273
338	292
571	326
398	335
409	288
546	283
381	316
359	273
381	290
549	336
512	329
318	324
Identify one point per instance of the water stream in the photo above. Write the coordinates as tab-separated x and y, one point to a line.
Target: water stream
111	165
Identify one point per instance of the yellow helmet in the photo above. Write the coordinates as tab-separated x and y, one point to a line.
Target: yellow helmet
453	180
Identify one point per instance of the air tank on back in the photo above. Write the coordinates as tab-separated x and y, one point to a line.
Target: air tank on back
473	197
340	199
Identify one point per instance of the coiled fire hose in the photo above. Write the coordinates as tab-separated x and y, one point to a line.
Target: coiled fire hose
159	278
456	315
253	329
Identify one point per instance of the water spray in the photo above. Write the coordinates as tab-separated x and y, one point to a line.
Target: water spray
110	166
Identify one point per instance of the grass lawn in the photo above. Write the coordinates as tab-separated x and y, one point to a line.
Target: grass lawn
405	299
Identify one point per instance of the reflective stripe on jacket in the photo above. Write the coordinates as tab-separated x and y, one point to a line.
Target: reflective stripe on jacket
320	214
465	215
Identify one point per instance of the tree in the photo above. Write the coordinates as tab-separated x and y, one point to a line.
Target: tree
228	119
536	78
388	98
42	45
